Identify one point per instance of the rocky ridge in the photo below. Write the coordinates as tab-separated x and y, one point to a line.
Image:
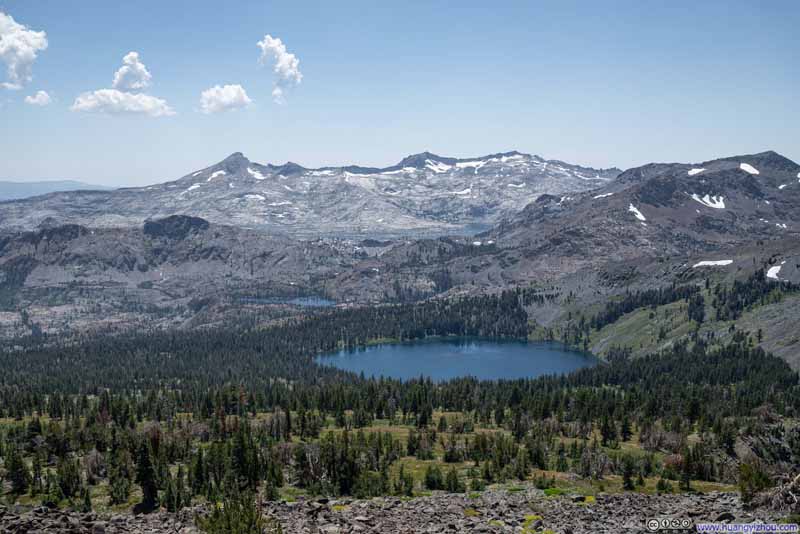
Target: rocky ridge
423	194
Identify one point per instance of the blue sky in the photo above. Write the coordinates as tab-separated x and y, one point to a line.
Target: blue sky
618	83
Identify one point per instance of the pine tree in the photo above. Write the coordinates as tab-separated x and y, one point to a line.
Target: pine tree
521	467
433	478
453	483
686	471
625	430
146	477
182	497
627	474
87	501
69	477
17	472
36	479
53	494
170	499
119	475
608	432
199	475
443	424
405	483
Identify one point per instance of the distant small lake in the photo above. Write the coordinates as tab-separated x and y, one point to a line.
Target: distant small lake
309	302
445	358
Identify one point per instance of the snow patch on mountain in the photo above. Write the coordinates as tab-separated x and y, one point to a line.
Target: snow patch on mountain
692	172
633	209
191	188
256	174
712	263
746	167
773	271
404	170
477	164
604	195
712	202
437	166
467	191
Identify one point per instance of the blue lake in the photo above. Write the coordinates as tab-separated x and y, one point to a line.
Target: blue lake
308	302
445	358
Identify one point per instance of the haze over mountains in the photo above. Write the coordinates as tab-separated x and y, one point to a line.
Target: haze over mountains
11	190
422	194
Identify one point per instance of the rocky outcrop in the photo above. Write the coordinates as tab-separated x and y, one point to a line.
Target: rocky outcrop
495	511
502	511
44	520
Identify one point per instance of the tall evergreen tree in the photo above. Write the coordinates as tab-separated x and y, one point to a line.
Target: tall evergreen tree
146	477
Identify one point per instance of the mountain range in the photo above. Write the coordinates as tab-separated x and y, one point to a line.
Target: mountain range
423	194
648	227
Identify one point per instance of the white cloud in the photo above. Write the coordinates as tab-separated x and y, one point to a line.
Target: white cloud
133	75
19	46
41	98
121	100
115	102
286	68
225	98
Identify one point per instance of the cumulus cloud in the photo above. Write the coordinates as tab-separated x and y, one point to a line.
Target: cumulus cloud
225	98
116	102
133	75
19	47
286	65
41	98
122	99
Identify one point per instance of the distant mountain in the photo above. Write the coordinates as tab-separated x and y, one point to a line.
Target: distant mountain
424	194
651	226
16	190
666	209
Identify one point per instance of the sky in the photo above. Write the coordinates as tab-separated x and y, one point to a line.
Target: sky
141	92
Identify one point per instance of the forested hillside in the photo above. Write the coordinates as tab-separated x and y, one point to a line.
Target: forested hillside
171	419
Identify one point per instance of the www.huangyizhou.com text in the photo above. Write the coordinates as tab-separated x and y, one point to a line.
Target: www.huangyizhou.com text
747	527
666	524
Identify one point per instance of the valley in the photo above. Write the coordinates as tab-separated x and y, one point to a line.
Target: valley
197	348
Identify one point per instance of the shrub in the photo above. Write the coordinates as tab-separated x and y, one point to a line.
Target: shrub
238	515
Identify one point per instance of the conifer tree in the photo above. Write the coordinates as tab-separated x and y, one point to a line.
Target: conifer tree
146	477
17	472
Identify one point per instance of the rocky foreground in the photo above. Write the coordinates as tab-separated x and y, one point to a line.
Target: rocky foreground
528	511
